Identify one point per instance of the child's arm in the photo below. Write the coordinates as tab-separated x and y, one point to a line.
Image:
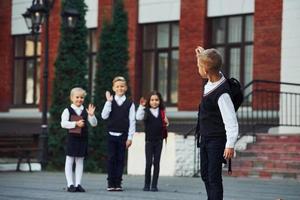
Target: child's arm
65	123
230	122
91	115
131	129
140	113
107	106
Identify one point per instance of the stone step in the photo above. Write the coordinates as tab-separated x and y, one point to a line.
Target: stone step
266	163
263	173
270	154
287	147
278	138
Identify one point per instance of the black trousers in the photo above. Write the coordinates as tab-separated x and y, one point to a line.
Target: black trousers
153	153
116	158
211	153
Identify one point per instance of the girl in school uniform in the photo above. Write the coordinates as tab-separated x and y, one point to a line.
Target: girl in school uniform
152	111
75	118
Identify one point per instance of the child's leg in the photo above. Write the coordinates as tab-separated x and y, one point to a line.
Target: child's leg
121	149
156	161
78	170
69	170
204	165
111	162
215	151
149	156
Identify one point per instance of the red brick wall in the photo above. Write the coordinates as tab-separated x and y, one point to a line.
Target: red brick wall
192	34
6	56
53	42
131	6
267	42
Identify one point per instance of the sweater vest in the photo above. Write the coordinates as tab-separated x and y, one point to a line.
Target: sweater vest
209	115
84	115
118	120
153	126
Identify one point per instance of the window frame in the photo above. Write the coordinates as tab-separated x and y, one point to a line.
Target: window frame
231	45
156	51
24	59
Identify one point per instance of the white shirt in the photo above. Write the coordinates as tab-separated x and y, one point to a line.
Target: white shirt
227	112
65	116
140	113
107	109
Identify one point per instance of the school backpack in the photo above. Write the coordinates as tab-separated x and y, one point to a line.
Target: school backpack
236	93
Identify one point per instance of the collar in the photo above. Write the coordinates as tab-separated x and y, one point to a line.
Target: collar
77	108
120	98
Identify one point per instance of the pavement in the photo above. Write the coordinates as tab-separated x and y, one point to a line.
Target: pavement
52	186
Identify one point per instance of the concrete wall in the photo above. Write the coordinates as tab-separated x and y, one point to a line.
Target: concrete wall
177	156
229	7
290	65
158	10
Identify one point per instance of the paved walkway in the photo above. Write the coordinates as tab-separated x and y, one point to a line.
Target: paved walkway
50	185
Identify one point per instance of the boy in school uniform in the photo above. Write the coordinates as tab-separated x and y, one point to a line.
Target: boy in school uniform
217	122
120	114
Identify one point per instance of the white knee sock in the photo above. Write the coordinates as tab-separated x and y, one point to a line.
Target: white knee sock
78	170
68	170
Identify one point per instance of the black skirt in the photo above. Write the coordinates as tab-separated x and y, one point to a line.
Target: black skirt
76	146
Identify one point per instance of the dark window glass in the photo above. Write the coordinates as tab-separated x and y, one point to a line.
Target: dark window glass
27	51
160	60
233	37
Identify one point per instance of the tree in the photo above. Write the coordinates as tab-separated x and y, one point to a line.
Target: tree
112	59
70	71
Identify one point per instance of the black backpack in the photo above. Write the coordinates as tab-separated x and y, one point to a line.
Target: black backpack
236	93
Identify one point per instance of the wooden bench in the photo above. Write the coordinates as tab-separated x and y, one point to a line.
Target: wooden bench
20	146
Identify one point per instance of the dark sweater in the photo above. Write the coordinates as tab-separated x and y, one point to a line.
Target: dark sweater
153	126
209	115
118	120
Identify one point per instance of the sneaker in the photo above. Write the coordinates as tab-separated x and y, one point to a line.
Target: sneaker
80	189
154	189
110	189
146	188
119	189
71	188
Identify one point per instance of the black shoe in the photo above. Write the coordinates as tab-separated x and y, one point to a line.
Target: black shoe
80	189
71	188
154	189
146	188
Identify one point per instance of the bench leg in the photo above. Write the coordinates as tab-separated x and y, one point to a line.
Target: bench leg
18	164
29	164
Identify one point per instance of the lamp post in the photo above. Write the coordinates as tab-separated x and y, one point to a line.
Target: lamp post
35	16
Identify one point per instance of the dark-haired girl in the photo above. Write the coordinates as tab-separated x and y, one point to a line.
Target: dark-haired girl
152	111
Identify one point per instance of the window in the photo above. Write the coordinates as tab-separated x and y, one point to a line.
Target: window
27	52
92	41
233	37
160	58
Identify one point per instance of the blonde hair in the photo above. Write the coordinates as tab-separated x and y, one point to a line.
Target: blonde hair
119	78
212	59
77	90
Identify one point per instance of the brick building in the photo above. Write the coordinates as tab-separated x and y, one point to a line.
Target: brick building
258	39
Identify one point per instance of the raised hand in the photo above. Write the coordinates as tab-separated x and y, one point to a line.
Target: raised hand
199	50
108	96
143	101
91	110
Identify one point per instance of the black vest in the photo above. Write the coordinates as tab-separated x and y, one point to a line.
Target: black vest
153	126
209	115
118	120
84	115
